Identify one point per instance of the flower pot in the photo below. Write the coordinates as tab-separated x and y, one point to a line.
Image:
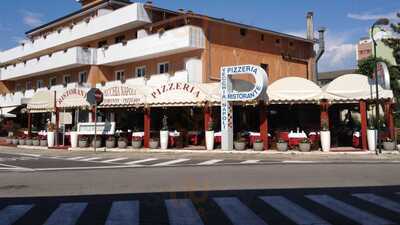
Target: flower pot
28	142
50	139
239	145
258	146
398	147
326	140
43	143
136	144
110	144
35	142
74	139
389	146
15	141
83	143
372	137
122	144
282	147
97	143
210	140
304	147
153	144
164	139
21	141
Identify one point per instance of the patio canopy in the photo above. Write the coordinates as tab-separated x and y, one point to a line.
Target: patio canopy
74	97
352	88
123	95
42	101
293	89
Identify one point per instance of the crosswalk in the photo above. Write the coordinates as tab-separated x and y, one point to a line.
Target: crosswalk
235	209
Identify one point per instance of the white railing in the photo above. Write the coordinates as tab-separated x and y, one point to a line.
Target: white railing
94	28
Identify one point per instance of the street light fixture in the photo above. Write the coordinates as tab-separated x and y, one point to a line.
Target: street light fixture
379	22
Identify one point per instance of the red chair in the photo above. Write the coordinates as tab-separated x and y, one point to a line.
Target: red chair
284	135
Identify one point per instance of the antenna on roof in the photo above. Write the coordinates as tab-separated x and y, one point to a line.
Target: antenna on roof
149	2
181	10
189	11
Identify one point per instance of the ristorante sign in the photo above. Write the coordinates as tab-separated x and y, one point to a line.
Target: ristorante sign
122	95
73	97
176	86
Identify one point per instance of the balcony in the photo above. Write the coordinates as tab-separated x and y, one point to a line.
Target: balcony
98	27
173	41
71	58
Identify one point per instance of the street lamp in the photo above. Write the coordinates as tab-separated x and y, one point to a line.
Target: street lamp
379	22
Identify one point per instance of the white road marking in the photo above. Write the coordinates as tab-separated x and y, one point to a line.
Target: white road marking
141	161
348	211
90	159
76	158
113	160
293	211
12	167
124	213
298	161
250	161
10	214
182	212
167	163
86	167
237	212
66	214
210	162
380	201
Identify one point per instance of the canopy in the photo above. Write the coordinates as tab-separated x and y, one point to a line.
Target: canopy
123	95
293	89
72	98
5	112
354	87
42	101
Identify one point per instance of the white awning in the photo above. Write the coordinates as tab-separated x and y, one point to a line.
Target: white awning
123	95
72	98
42	101
5	112
293	89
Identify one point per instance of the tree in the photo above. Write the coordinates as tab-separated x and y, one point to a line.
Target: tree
394	43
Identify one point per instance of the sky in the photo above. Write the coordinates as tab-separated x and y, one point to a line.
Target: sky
345	20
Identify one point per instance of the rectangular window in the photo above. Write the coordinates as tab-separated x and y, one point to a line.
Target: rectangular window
67	79
243	32
83	77
52	82
120	75
18	87
102	44
40	84
28	85
119	39
265	67
163	67
140	71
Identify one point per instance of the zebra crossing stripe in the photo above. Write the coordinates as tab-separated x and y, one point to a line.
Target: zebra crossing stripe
293	211
237	212
90	159
380	201
210	162
76	158
182	212
124	213
114	160
250	161
10	214
171	162
348	211
141	161
66	214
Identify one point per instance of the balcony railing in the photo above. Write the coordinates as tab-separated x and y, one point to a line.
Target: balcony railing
94	28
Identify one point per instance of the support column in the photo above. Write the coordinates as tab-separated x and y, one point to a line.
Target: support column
263	124
207	117
147	124
29	124
57	126
389	118
363	113
93	114
324	113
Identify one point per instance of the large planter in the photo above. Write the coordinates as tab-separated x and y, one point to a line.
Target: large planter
97	143
15	141
210	140
164	139
110	144
389	146
50	139
122	144
153	144
35	142
74	139
305	147
372	137
21	141
326	140
239	145
282	146
43	143
83	143
28	142
258	146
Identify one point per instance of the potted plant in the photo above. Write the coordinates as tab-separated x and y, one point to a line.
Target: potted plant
110	142
15	141
35	141
210	136
164	133
50	134
21	140
389	144
122	142
153	143
74	136
136	142
305	145
282	145
325	136
258	145
372	136
28	141
43	141
83	142
96	141
240	144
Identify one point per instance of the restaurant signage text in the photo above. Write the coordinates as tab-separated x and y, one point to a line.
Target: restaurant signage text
176	86
121	95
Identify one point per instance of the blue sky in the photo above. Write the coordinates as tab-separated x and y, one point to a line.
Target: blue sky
346	20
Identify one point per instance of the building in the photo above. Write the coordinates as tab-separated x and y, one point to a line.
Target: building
325	78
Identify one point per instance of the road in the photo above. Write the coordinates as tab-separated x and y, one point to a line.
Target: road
104	189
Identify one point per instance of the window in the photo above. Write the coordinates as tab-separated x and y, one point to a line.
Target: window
67	79
278	41
120	75
163	67
52	82
140	71
262	37
83	77
265	67
243	31
119	39
28	85
102	44
18	87
39	84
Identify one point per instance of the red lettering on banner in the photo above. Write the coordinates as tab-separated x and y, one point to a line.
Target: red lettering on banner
176	87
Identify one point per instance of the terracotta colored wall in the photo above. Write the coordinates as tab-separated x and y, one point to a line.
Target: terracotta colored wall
6	87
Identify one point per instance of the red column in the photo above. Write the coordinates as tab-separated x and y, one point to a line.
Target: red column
324	112
93	115
389	118
207	117
57	126
29	124
147	123
263	124
363	113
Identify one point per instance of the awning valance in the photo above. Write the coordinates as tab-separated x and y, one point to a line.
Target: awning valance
293	89
42	101
72	98
123	95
